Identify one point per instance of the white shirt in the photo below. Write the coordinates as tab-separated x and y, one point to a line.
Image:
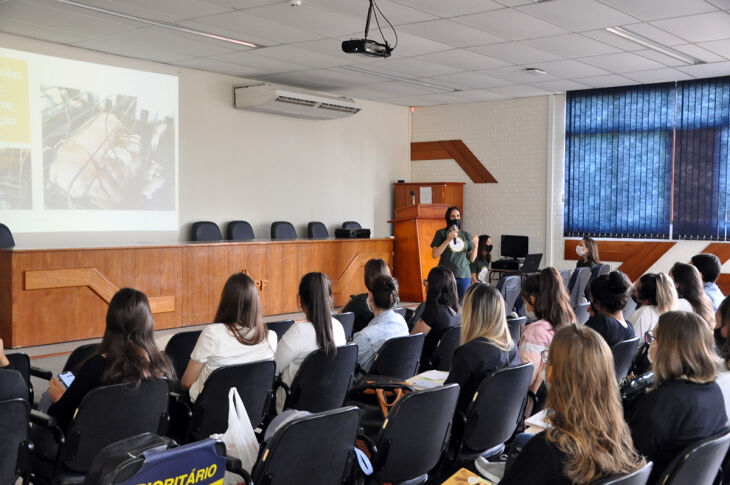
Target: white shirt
684	305
296	344
644	319
218	347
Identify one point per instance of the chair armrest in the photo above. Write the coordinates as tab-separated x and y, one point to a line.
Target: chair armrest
233	465
371	447
41	373
179	416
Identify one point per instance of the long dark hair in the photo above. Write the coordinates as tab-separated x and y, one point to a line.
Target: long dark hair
592	249
315	296
240	310
442	288
552	302
611	291
385	292
128	343
689	287
482	252
374	268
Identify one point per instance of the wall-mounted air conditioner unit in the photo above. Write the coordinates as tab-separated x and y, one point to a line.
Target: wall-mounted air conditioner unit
266	98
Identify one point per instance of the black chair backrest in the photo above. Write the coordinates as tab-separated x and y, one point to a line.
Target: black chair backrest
351	225
14	415
79	355
699	463
283	230
413	437
493	416
639	477
210	411
347	320
443	354
401	311
581	312
510	287
399	357
136	409
179	348
623	353
21	362
205	231
279	327
6	237
515	328
310	450
317	230
239	231
13	386
417	314
321	382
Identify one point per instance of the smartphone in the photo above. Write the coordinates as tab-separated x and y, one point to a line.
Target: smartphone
66	378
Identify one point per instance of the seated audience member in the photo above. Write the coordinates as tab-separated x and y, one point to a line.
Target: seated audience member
480	267
589	438
687	405
386	323
722	345
127	353
692	297
587	249
486	344
358	304
548	304
656	294
609	295
440	312
238	335
320	331
709	267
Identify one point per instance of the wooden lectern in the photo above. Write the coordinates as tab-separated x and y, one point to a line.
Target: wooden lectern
415	227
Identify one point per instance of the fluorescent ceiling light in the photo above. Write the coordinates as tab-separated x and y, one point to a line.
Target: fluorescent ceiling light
156	23
400	78
646	42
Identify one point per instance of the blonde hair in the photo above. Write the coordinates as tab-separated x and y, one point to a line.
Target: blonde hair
666	294
588	424
685	349
483	315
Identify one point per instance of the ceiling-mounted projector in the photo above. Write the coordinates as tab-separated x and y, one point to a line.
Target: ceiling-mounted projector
366	46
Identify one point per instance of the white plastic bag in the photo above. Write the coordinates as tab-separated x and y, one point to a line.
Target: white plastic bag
239	438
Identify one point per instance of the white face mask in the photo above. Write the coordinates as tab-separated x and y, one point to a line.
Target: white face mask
531	316
580	251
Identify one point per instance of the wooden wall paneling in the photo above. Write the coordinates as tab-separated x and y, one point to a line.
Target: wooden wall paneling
636	257
406	265
6	296
427	228
429	150
721	250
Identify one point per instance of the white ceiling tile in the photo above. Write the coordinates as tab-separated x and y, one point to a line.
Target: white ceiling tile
476	95
699	53
427	100
213	65
515	3
389	89
137	44
613	40
720	47
511	24
324	80
412	45
661	58
571	46
518	74
463	60
570	69
260	63
452	9
451	33
606	81
707	70
699	28
240	4
657	76
165	10
341	76
309	17
624	62
394	12
655	34
561	86
288	53
468	80
724	4
252	29
659	9
407	67
519	91
50	34
415	102
578	15
515	53
362	91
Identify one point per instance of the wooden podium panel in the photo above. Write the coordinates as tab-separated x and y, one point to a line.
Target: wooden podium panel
449	193
59	295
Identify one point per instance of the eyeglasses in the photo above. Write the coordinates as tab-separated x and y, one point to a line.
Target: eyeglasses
649	336
544	354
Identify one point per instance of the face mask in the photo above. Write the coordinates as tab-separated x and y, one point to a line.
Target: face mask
544	378
488	247
531	316
455	222
580	251
650	353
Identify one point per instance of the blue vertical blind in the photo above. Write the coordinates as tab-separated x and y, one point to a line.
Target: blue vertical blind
648	161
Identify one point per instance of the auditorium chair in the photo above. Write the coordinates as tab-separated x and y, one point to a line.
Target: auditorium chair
179	348
581	313
351	225
13	385
509	287
403	312
205	231
106	414
317	230
347	320
443	354
515	328
600	270
411	441
15	447
697	464
279	327
310	450
6	237
321	382
639	477
283	230
21	362
79	355
398	357
623	353
239	231
209	413
577	285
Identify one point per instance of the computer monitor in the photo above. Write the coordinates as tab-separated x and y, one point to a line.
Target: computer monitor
514	246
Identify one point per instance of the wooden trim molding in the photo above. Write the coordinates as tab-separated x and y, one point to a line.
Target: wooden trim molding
456	150
636	256
91	278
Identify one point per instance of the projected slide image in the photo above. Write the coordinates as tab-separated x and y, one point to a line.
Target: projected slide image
105	152
15	179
